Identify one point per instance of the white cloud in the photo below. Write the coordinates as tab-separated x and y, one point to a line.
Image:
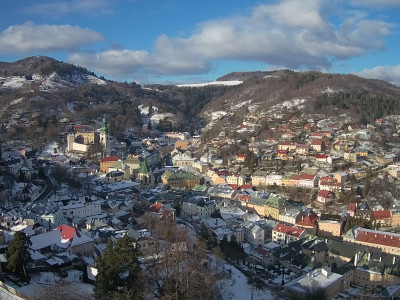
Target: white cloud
58	8
376	3
31	37
388	73
295	34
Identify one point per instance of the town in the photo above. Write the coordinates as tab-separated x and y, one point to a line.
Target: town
309	211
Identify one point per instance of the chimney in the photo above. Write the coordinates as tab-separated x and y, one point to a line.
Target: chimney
356	259
394	259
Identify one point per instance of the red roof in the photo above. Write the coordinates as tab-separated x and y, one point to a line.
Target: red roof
67	232
234	186
109	159
308	221
376	237
79	127
321	156
155	208
324	194
381	214
241	155
316	143
293	231
352	207
244	198
245	186
305	176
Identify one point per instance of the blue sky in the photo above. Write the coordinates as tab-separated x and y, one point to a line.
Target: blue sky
150	41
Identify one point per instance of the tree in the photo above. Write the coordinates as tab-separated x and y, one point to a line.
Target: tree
118	271
177	207
178	267
18	255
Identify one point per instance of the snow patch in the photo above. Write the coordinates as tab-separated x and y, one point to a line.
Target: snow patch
13	82
241	104
228	83
289	103
16	101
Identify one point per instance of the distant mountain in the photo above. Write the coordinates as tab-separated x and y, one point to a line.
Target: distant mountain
243	76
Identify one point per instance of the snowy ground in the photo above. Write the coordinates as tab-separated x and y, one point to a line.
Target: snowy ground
237	287
40	280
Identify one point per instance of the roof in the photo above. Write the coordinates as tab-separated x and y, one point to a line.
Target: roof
109	159
306	176
381	214
324	193
155	208
352	207
378	237
308	221
293	231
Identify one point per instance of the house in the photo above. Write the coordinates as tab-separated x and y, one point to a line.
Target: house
253	234
273	206
107	162
308	180
159	210
383	218
317	145
287	146
329	184
184	145
240	157
309	223
256	205
294	180
325	196
273	179
323	158
291	216
283	234
63	238
302	149
351	209
330	225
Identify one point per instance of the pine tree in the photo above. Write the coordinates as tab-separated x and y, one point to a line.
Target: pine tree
18	255
118	271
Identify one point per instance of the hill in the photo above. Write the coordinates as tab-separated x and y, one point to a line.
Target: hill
289	94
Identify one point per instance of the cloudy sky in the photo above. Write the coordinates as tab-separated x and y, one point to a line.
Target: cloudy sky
196	41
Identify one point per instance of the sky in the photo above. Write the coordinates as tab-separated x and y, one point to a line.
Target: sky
192	41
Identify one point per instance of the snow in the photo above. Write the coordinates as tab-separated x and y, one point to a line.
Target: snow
228	82
16	101
289	103
237	287
12	82
46	279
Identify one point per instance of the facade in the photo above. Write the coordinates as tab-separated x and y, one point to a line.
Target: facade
330	225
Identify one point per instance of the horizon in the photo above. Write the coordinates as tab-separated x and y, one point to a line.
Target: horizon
150	42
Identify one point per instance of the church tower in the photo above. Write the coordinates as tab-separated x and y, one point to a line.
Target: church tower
144	177
105	138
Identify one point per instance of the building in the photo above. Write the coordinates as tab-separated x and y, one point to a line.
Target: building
325	196
180	179
330	225
107	162
274	206
317	281
200	206
283	234
388	242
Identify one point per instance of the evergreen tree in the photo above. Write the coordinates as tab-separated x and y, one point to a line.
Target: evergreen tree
177	207
118	271
18	255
